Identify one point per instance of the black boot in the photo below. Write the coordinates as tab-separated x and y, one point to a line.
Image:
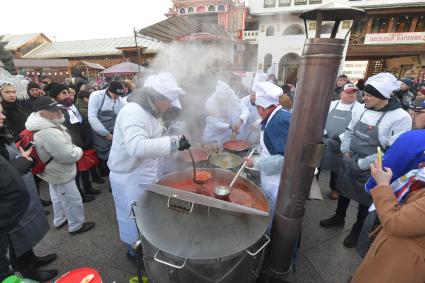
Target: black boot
334	221
39	261
88	189
97	180
87	198
39	275
351	240
45	202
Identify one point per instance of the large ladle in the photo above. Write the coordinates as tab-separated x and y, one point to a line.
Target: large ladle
223	192
200	182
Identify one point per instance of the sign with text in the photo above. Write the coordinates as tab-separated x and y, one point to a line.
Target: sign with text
395	38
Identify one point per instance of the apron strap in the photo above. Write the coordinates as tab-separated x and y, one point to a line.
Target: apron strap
380	119
101	104
336	105
352	106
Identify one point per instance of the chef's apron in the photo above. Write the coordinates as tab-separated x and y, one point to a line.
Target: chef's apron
34	224
336	124
269	183
351	179
127	188
107	118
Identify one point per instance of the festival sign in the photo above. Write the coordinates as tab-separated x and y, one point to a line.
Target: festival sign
395	38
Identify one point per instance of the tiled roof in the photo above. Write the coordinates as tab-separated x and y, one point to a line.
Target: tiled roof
92	47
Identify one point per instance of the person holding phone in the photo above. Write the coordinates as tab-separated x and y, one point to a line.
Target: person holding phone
34	225
397	254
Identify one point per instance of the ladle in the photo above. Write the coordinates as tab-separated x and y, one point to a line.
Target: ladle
200	182
222	192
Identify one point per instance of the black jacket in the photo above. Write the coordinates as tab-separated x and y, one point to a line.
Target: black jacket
21	164
14	197
81	134
15	117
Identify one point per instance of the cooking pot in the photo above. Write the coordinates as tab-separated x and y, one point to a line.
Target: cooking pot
198	243
237	146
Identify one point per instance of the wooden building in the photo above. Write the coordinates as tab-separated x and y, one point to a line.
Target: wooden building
392	39
94	55
21	44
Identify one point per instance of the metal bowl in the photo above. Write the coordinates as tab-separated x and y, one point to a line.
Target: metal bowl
226	160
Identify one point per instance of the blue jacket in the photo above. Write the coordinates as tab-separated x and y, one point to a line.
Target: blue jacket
276	132
403	156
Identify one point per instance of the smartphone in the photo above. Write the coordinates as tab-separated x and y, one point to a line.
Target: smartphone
379	157
29	146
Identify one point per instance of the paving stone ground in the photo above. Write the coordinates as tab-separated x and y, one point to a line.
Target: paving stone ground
322	257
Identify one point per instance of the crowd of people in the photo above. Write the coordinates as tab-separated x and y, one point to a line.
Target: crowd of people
73	134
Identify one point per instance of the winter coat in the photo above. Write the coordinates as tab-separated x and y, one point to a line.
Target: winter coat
28	105
13	197
53	140
15	117
83	108
395	122
33	226
397	254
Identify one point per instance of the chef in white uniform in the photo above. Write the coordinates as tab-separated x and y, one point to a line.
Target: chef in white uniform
137	145
226	115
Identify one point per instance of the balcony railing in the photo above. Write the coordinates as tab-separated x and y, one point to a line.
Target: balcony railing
250	35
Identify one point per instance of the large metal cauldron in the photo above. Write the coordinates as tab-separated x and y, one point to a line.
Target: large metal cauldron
187	242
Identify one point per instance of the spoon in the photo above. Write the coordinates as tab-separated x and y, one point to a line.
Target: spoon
223	192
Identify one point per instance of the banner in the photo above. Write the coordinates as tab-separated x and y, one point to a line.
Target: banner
395	38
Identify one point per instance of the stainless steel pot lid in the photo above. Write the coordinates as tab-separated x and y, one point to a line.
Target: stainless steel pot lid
202	233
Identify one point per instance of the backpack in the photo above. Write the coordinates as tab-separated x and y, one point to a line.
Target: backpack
26	137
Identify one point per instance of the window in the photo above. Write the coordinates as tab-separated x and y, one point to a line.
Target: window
221	8
267	61
421	24
293	30
402	24
315	1
359	26
211	8
182	11
327	28
270	31
379	25
283	3
190	10
200	9
269	3
300	2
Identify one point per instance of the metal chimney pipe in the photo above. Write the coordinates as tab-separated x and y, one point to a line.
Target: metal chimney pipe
320	62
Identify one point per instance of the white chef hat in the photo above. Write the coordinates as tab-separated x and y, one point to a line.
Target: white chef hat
223	91
260	76
266	94
382	85
166	84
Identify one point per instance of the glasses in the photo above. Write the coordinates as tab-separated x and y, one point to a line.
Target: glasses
418	112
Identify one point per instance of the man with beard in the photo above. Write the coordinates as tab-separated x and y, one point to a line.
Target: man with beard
80	135
54	143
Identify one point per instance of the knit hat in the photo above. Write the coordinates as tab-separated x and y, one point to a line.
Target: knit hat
407	81
32	85
382	85
116	87
54	89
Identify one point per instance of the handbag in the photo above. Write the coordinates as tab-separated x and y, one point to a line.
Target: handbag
88	160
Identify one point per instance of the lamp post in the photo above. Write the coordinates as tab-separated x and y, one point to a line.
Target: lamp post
320	62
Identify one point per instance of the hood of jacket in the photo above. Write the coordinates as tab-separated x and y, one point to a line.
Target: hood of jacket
36	123
393	104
